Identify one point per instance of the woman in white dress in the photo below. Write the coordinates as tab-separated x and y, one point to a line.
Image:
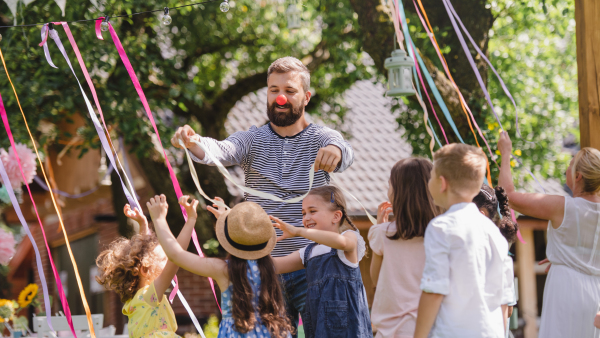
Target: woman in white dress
572	292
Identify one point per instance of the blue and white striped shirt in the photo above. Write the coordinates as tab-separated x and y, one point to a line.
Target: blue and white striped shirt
279	166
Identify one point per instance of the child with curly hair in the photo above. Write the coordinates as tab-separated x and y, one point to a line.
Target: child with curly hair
137	269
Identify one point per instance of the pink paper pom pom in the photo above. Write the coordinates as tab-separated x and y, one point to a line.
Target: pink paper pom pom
12	166
7	246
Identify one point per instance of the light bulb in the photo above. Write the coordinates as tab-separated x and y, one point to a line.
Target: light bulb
104	26
0	37
224	6
166	19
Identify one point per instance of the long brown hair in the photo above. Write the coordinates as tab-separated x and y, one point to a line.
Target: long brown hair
122	264
335	197
271	308
413	205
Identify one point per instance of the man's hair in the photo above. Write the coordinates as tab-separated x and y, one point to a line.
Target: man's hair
291	64
463	166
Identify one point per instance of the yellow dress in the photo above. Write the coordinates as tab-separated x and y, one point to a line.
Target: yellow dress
148	317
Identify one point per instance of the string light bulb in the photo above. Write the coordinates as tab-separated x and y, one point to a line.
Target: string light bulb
224	6
0	37
104	24
166	18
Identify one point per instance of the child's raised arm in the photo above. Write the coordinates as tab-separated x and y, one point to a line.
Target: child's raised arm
208	267
346	242
162	282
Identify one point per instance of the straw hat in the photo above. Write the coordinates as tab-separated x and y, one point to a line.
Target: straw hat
246	231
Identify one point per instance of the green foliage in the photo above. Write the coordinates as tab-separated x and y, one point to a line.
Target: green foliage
185	68
534	51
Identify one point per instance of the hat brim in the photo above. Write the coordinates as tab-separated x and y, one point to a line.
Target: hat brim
252	255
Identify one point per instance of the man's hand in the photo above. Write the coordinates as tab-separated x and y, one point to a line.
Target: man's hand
289	230
383	212
505	145
137	215
186	134
216	209
158	208
328	158
190	208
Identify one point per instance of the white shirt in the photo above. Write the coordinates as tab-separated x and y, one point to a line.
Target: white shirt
465	261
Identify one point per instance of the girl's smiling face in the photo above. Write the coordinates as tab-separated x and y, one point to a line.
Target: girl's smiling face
318	214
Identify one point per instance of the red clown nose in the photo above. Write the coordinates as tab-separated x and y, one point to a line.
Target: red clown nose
281	100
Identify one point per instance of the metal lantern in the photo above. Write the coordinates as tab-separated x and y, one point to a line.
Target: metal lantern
293	14
399	67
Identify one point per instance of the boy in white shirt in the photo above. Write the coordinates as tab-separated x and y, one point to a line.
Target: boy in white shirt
464	282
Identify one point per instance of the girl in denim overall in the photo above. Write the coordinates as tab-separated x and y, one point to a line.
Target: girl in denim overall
336	302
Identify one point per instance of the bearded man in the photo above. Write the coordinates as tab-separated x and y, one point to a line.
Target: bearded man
276	159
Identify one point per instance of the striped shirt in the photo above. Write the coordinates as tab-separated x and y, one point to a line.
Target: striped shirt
279	166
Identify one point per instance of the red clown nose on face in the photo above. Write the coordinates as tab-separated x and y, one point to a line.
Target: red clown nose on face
281	100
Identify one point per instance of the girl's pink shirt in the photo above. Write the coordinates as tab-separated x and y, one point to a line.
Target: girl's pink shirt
394	311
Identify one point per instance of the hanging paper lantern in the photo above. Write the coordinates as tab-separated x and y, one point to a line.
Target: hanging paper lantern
399	67
7	246
293	14
12	165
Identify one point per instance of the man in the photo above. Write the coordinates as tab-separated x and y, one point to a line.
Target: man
277	157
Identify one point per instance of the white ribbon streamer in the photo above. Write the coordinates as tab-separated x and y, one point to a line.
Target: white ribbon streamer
261	194
45	45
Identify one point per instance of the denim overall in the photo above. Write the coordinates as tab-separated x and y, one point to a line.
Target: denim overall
335	301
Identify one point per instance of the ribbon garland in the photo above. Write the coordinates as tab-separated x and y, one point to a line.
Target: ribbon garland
106	145
177	188
61	293
17	208
311	175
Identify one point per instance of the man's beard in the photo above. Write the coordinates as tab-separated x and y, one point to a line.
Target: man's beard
285	119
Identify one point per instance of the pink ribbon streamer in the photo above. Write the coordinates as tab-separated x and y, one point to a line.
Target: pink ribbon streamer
138	88
61	293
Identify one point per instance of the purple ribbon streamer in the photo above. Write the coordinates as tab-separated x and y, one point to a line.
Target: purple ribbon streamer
506	91
101	134
38	258
44	44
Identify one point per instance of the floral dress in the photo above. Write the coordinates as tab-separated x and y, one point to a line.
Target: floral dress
149	317
227	327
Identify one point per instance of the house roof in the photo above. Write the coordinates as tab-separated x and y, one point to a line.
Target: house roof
371	129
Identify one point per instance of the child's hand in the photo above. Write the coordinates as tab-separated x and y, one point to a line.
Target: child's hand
217	210
597	320
136	215
190	208
158	207
383	212
289	230
505	144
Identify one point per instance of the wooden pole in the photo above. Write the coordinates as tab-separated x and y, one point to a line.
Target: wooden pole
527	283
587	26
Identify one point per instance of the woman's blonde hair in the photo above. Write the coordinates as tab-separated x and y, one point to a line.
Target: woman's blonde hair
587	163
122	265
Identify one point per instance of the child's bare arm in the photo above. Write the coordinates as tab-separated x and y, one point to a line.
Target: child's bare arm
429	306
208	267
346	242
162	282
137	215
289	263
376	261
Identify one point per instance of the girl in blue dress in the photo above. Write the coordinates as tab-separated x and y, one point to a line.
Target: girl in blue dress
336	301
252	302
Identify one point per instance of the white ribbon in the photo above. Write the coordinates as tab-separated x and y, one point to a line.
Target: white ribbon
258	193
45	45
